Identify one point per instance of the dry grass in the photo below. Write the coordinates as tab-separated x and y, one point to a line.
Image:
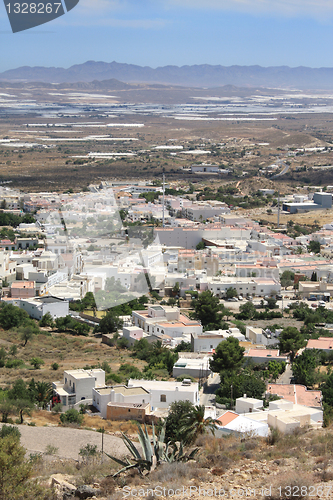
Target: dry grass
290	485
63	349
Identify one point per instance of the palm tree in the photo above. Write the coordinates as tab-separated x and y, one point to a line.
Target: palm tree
43	393
194	423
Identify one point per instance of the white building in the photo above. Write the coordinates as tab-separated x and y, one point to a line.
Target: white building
165	393
209	340
287	416
248	405
232	423
197	367
77	386
39	306
244	286
118	394
165	320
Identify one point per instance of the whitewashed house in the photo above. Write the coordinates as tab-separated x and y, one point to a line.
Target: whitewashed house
77	386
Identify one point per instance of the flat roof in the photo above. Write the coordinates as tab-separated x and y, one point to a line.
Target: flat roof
297	394
321	343
129	405
130	391
163	385
23	284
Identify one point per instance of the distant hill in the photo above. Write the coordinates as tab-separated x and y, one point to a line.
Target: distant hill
203	75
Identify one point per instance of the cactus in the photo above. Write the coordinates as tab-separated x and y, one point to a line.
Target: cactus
154	452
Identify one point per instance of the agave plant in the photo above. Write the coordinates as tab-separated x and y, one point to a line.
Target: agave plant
154	452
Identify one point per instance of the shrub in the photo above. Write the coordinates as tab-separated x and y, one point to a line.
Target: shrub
37	363
71	416
10	430
57	408
51	450
113	377
88	451
54	366
14	363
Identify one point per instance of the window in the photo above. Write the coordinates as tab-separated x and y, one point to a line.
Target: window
163	398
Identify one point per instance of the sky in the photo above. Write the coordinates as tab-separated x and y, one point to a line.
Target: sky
177	32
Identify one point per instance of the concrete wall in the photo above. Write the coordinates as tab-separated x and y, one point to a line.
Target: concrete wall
126	413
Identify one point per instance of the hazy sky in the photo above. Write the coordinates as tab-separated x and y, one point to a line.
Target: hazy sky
162	32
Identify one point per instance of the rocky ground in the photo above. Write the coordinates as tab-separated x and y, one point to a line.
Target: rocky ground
296	466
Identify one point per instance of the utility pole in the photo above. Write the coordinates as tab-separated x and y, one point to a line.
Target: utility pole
163	225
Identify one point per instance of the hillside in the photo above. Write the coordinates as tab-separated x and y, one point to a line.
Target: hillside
195	76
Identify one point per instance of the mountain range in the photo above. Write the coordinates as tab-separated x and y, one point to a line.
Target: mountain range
202	75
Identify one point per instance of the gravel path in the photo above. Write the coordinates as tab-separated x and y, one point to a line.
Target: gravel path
68	441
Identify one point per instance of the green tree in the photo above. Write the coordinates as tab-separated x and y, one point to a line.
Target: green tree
71	416
47	320
23	406
194	424
6	408
238	384
287	278
88	301
207	309
327	390
271	303
12	317
177	411
200	245
229	355
27	331
314	246
183	347
10	430
110	323
247	311
275	368
314	276
42	393
15	473
36	363
290	341
231	293
304	367
18	390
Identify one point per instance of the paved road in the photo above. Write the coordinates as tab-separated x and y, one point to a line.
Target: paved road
207	395
286	376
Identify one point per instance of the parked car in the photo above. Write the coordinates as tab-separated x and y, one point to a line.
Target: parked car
322	303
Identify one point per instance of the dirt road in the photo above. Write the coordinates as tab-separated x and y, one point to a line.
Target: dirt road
68	441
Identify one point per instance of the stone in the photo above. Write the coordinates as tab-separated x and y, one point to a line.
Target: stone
85	491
